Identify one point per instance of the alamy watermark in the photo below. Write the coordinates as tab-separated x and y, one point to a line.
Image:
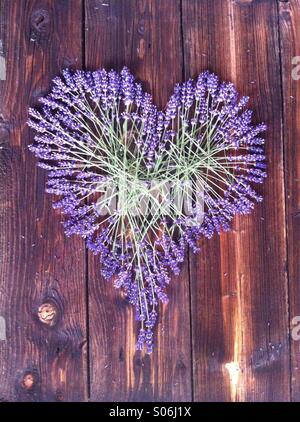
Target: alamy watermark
155	198
2	63
296	68
2	328
295	328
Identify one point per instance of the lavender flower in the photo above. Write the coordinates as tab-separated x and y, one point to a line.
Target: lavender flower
103	142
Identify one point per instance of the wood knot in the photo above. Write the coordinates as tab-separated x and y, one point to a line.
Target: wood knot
28	384
48	314
28	381
181	365
141	28
59	396
39	24
40	20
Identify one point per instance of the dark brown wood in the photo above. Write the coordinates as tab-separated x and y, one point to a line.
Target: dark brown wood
206	43
290	51
145	36
239	283
42	294
227	332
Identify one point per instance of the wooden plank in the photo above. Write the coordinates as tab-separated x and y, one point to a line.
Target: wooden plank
42	295
289	19
145	36
239	283
206	43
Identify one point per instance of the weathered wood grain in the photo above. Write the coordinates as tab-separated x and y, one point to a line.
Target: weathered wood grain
241	303
42	294
206	43
145	36
239	282
290	51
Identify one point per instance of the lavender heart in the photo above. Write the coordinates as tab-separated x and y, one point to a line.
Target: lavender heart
139	184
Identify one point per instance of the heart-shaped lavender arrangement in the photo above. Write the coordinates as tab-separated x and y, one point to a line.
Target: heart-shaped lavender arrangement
140	184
